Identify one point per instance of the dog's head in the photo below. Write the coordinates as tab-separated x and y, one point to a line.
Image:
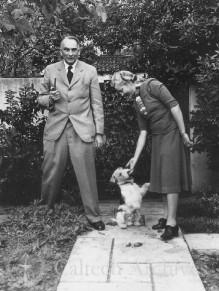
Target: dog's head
121	176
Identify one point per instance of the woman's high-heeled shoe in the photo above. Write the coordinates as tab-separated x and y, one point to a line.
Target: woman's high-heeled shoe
170	232
161	224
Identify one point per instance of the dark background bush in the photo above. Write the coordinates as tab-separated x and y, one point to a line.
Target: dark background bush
205	119
199	214
21	147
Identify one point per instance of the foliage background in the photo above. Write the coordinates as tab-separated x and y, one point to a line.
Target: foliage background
173	41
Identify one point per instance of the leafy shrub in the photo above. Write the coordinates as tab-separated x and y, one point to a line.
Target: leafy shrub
206	204
205	120
201	214
198	225
191	209
21	146
210	202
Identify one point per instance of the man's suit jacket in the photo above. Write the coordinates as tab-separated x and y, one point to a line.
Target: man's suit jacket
80	101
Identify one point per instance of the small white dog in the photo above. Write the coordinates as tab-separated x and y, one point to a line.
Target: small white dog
128	213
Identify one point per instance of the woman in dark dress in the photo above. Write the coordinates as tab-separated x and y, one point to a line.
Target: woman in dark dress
160	113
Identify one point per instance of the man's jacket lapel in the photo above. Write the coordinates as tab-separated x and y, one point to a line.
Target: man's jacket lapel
77	74
62	73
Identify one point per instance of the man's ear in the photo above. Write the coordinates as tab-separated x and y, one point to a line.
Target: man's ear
60	52
79	52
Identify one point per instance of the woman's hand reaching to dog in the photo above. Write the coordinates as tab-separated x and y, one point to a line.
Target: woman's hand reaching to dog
131	165
140	145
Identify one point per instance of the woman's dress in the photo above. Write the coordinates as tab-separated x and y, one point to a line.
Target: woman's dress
169	159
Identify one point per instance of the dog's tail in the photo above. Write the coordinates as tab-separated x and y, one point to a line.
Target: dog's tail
144	189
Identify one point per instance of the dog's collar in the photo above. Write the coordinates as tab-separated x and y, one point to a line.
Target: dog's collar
127	182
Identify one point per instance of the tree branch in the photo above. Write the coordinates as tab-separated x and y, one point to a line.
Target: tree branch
15	62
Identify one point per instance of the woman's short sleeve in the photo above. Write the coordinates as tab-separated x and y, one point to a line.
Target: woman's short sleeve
158	89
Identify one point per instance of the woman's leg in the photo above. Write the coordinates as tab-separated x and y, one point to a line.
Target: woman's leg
165	206
171	228
162	221
172	203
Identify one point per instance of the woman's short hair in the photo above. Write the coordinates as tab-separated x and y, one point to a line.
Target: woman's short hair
123	78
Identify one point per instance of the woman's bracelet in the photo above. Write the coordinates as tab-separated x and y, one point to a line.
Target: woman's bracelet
182	133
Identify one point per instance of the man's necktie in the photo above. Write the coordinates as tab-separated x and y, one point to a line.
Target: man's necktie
69	74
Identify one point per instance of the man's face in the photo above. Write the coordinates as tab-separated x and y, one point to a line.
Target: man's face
70	51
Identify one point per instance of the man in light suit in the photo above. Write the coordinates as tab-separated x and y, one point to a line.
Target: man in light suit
74	126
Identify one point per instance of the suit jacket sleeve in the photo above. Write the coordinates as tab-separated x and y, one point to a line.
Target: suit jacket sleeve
97	103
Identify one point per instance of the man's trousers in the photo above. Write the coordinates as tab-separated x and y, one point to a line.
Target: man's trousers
82	155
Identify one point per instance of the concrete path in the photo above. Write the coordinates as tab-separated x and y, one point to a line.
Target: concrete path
203	241
131	259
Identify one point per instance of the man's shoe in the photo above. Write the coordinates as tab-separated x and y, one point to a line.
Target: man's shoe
170	232
161	224
99	225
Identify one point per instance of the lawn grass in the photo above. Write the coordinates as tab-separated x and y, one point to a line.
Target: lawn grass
39	240
193	217
207	264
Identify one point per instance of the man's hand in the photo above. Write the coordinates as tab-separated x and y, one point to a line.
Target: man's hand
98	140
54	95
131	164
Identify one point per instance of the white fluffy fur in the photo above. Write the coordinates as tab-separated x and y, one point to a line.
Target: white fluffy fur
128	213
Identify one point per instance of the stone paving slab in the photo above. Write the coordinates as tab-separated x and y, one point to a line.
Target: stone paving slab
203	241
130	273
120	286
89	260
153	250
176	277
109	260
